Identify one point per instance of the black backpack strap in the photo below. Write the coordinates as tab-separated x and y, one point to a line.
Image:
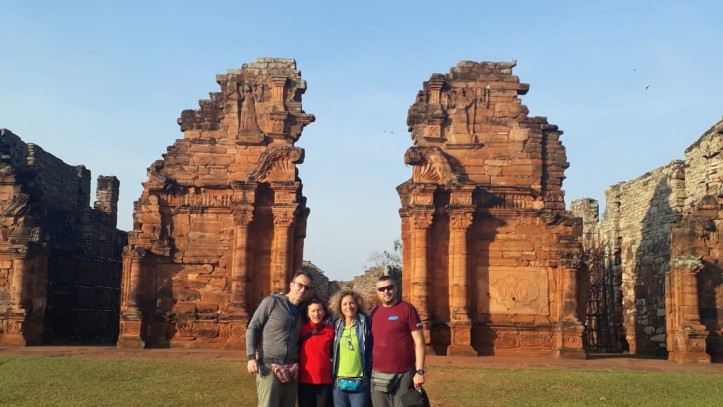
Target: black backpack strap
309	334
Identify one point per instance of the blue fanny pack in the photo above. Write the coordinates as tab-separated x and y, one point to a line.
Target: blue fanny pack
350	384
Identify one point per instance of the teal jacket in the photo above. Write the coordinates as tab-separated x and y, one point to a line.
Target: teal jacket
364	337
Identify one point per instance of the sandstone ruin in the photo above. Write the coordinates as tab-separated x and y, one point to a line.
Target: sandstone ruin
59	258
491	257
221	221
660	281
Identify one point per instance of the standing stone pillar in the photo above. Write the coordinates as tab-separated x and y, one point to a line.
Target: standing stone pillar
239	271
687	337
299	240
569	330
131	317
281	263
407	263
11	332
237	314
18	281
460	324
421	220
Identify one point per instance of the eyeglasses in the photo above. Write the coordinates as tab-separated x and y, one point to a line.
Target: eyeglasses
349	345
387	288
302	286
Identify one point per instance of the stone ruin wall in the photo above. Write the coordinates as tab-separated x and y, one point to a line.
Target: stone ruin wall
697	254
704	166
59	258
637	239
221	220
490	255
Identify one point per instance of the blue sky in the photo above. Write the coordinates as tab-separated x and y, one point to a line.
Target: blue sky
102	84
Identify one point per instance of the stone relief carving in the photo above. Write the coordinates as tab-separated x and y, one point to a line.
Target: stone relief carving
536	340
206	200
430	166
421	221
17	205
283	216
518	293
461	102
248	96
460	221
130	328
277	164
243	217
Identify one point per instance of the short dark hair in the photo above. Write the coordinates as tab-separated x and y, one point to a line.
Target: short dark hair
385	277
314	300
302	272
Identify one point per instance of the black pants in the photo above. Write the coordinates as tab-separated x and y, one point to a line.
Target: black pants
315	395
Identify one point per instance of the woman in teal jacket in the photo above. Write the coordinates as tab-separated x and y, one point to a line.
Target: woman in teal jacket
352	350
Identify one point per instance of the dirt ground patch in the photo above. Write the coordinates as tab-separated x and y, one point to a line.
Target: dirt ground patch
612	362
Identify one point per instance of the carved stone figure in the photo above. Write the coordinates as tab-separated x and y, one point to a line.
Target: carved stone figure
460	119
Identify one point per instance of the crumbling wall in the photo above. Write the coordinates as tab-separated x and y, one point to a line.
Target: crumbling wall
704	166
54	249
639	220
650	223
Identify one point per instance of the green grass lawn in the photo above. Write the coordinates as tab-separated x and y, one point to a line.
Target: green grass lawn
75	381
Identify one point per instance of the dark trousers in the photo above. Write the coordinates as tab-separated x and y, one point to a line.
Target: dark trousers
315	395
394	398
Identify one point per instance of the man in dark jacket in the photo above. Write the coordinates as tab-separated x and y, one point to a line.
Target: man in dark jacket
272	343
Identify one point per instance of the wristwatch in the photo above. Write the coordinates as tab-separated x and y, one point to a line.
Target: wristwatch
420	372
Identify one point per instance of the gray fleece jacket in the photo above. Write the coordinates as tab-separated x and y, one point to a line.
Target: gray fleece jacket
274	332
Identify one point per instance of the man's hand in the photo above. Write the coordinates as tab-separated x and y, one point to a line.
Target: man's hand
418	381
253	367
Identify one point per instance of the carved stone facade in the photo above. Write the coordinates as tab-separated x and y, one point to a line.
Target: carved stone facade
491	257
221	221
660	242
59	258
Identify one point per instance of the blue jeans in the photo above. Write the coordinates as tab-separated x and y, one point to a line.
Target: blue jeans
347	399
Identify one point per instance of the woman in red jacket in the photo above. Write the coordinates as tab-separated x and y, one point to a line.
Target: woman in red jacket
315	357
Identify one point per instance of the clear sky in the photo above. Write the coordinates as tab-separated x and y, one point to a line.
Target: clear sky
631	83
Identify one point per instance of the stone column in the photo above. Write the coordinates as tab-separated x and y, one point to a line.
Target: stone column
460	325
131	317
280	262
299	240
686	340
237	313
407	263
18	282
569	331
11	331
239	271
421	220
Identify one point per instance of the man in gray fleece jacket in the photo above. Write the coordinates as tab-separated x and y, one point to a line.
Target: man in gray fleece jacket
272	340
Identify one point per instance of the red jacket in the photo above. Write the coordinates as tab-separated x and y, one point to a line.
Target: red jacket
315	354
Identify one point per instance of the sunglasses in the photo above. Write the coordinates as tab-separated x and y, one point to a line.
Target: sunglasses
387	288
302	286
349	345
